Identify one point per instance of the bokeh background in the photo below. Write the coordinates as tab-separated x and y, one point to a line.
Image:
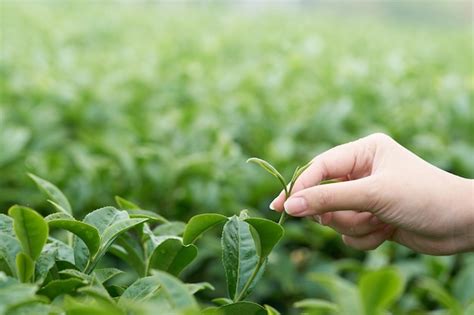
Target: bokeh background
162	102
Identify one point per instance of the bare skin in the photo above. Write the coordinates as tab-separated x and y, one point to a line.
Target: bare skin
386	193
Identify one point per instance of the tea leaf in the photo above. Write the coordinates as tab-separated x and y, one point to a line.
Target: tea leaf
104	274
239	257
6	225
172	256
270	310
88	233
222	301
175	228
58	287
270	169
108	237
9	249
200	286
317	305
119	227
342	292
441	295
30	228
176	292
379	289
25	267
268	235
141	290
58	198
200	224
145	214
239	308
104	217
299	170
72	273
125	204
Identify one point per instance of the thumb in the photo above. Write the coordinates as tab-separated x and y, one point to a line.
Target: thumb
356	195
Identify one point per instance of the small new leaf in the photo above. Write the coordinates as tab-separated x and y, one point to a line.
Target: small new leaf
30	228
270	169
58	199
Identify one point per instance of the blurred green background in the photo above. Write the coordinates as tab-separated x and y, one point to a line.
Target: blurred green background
163	102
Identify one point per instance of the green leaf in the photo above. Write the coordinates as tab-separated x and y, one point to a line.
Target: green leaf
54	253
57	197
125	204
317	305
440	294
59	287
30	307
146	214
88	233
379	289
270	310
173	228
13	293
200	286
119	227
176	292
82	307
9	249
200	224
239	308
270	169
72	273
299	170
102	219
268	235
222	301
30	228
463	284
25	267
104	274
342	292
109	235
469	309
239	256
141	290
172	256
6	225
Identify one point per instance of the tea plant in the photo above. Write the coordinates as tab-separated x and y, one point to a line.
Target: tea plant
55	264
46	272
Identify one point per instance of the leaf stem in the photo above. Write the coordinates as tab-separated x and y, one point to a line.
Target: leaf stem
249	282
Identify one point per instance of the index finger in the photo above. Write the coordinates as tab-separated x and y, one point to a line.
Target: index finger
348	161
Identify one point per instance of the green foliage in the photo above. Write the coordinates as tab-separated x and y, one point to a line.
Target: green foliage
200	224
93	105
30	229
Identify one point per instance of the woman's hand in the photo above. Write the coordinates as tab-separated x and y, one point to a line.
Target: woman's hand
386	193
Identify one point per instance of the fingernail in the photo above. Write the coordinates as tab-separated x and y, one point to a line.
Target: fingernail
375	221
295	205
272	205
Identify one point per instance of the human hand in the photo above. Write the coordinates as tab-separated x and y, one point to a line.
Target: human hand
386	193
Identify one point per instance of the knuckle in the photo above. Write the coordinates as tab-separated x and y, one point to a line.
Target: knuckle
379	137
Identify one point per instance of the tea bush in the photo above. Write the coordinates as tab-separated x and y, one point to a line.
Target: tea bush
164	104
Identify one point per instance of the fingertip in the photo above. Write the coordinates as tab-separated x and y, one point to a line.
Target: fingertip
277	203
